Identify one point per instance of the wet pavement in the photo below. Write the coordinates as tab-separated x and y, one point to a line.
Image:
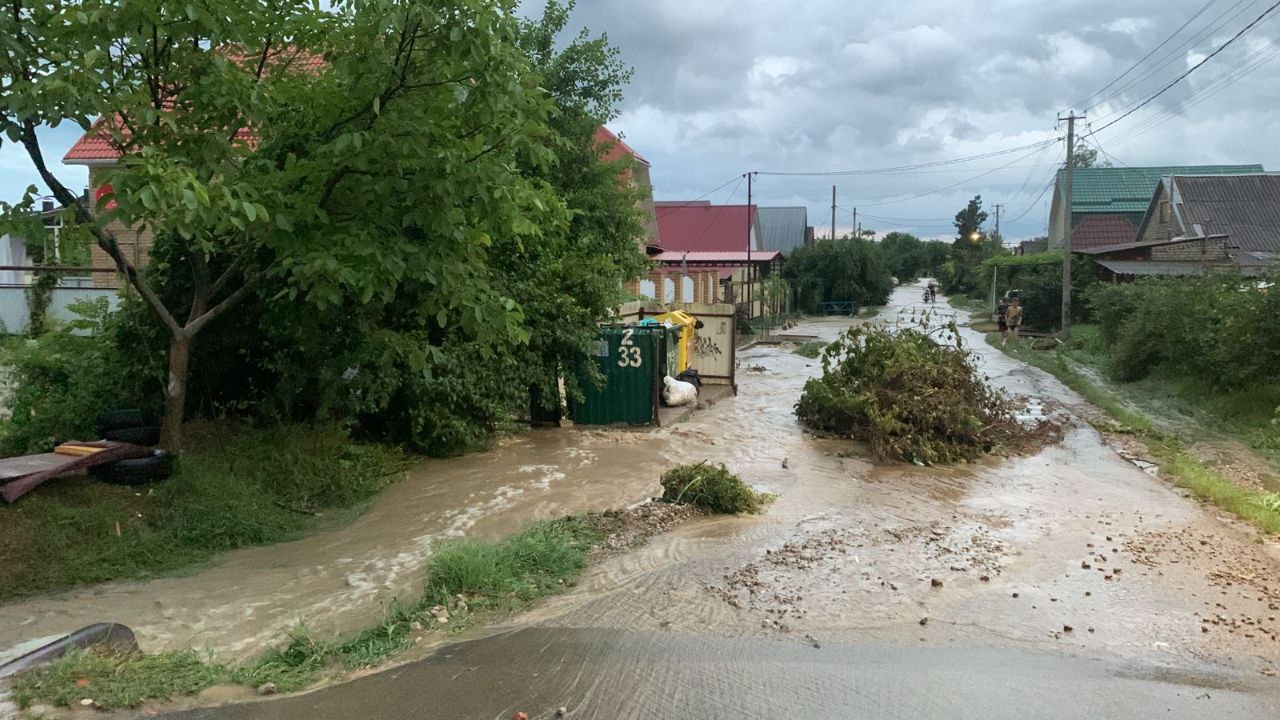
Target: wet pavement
1068	583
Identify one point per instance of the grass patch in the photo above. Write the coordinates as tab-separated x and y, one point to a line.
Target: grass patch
712	487
467	580
811	349
1168	450
251	487
114	681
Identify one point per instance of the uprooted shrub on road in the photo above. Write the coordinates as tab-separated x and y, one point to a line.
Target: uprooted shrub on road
712	487
911	397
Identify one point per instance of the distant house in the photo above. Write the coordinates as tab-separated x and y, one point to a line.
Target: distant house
725	239
1114	200
784	228
614	148
1198	223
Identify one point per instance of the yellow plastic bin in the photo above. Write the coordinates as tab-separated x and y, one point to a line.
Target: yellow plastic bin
688	325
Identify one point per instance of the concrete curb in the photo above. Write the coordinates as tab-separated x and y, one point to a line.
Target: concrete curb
110	636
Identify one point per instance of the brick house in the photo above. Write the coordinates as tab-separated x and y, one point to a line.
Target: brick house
1108	203
1200	223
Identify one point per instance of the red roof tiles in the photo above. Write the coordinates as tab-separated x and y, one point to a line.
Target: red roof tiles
1103	230
615	147
96	145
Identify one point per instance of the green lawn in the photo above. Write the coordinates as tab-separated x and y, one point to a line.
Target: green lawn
249	487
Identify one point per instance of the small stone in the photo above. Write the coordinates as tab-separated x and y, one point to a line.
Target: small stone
267	689
1084	564
1015	594
415	626
1088	593
924	621
87	702
440	613
1204	628
935	582
562	711
1067	628
984	578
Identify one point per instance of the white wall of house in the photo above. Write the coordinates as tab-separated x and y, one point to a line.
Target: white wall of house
13	251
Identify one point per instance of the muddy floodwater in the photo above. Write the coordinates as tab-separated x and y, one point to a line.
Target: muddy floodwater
1067	583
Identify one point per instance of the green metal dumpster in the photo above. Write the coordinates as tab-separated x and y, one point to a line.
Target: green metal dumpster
630	359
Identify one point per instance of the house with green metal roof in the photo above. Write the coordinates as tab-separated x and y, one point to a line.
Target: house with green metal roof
1121	192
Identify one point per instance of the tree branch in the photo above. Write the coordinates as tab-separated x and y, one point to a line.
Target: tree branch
243	291
105	239
199	285
224	278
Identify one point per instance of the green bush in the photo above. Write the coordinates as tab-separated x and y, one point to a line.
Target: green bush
811	349
910	397
710	486
63	379
838	271
1222	328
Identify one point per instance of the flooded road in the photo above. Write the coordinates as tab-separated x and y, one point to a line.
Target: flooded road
1068	583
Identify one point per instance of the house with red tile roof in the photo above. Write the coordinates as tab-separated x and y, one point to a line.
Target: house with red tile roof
613	149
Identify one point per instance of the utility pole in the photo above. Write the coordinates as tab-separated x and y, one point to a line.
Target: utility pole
1066	241
855	217
833	212
998	209
751	307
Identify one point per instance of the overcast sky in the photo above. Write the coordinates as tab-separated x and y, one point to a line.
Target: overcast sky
726	86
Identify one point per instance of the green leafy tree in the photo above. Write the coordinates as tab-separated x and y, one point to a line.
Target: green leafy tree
904	254
970	247
1087	157
573	277
838	271
340	155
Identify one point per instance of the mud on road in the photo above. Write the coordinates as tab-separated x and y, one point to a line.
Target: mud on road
1063	583
1070	570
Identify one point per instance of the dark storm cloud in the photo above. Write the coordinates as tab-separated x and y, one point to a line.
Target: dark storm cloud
722	87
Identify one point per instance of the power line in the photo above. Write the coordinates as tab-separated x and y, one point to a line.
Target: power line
904	168
1176	54
1198	96
1193	68
951	186
1145	57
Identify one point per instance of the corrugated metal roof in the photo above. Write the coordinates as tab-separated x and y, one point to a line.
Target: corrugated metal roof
1245	208
783	228
1129	189
703	228
1152	267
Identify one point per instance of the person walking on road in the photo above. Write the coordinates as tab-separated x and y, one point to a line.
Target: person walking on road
1012	319
933	292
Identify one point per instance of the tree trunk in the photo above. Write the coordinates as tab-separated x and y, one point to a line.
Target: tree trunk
175	392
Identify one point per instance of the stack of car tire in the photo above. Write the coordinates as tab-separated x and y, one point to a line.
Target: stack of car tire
130	426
